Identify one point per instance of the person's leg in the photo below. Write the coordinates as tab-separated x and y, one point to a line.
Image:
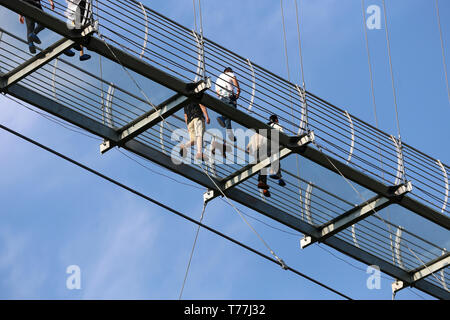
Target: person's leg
30	29
280	179
199	132
275	170
38	29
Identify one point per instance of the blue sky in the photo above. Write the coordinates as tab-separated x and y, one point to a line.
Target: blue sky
54	214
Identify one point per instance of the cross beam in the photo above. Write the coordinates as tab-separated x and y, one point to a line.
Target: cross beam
355	215
152	117
39	60
421	273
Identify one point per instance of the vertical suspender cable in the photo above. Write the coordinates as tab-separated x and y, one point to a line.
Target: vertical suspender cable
202	39
102	95
443	50
393	84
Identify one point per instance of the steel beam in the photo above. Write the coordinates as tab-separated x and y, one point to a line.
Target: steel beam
152	117
355	215
201	178
39	60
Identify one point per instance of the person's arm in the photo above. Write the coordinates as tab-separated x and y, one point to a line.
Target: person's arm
185	119
205	113
236	85
21	19
52	4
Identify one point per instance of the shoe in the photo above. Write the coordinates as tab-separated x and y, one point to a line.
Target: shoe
262	185
32	48
85	57
182	151
281	182
275	176
220	122
34	38
266	193
69	53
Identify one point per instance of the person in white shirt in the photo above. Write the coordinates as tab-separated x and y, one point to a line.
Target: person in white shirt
257	147
227	89
79	14
273	122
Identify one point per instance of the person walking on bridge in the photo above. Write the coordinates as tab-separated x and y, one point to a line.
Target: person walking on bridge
34	28
276	173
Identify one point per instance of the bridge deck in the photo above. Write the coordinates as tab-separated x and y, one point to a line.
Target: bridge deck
169	60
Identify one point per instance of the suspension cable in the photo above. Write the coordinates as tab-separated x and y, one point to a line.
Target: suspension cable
369	62
300	45
205	171
289	79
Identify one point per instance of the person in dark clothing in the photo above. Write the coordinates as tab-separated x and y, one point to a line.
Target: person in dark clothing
34	28
195	116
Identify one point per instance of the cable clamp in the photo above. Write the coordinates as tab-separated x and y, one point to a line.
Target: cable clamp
280	261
